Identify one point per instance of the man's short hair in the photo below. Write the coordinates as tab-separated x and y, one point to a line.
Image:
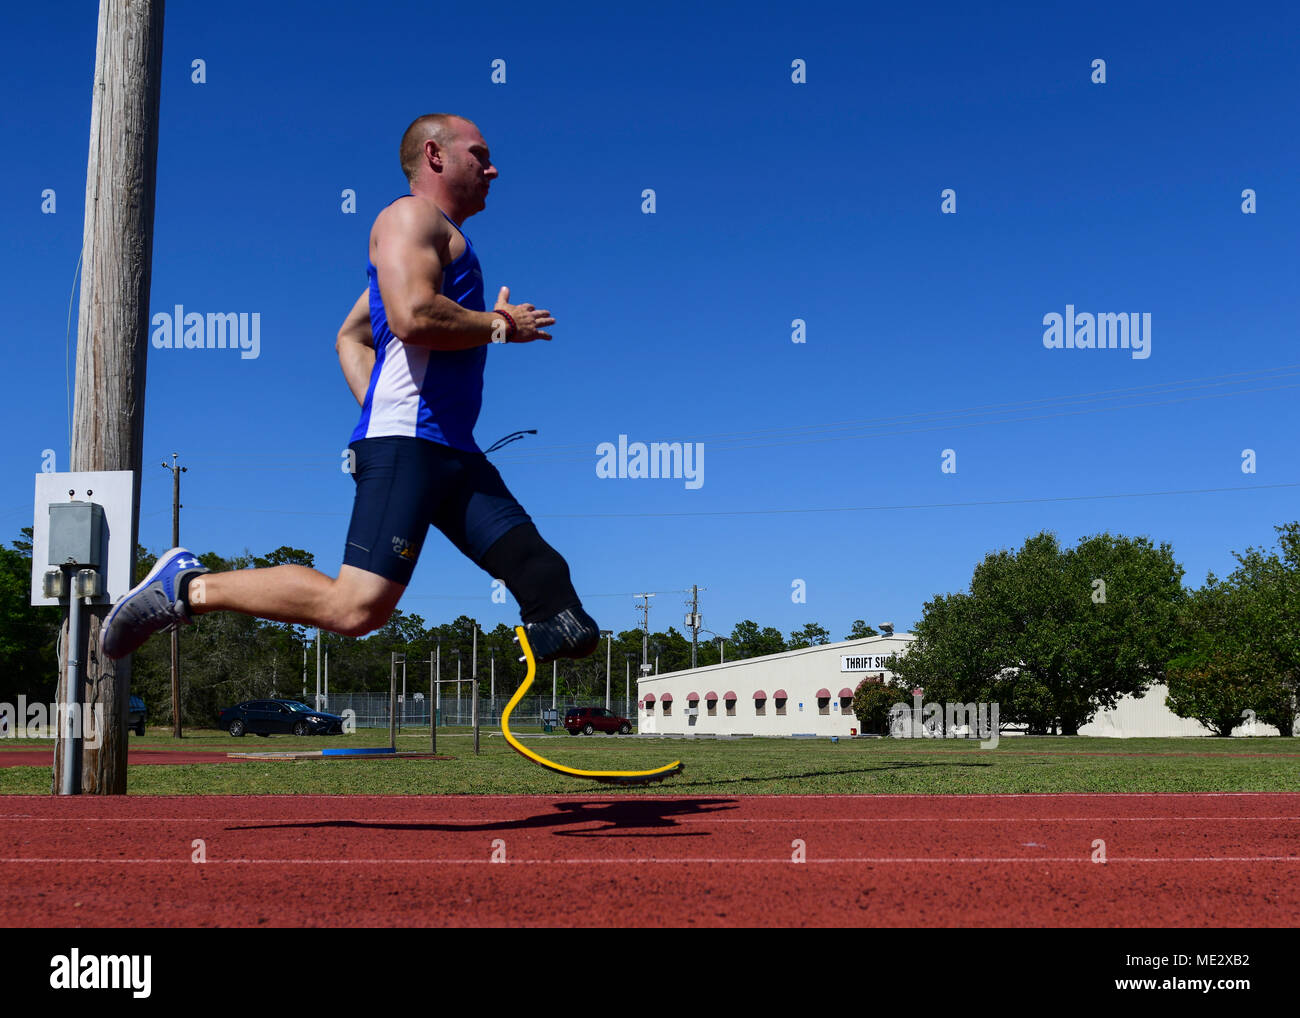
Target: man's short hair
438	126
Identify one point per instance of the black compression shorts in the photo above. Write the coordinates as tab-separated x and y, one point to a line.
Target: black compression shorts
405	484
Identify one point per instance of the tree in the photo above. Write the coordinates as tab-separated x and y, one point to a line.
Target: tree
747	640
860	631
811	635
872	702
28	634
1239	654
1052	635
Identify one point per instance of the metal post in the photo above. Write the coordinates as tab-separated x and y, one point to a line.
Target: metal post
392	703
175	635
474	692
70	783
317	703
433	712
609	647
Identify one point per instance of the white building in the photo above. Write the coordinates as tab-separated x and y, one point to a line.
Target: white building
1148	716
800	692
810	692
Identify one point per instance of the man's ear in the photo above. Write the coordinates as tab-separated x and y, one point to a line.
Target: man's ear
432	154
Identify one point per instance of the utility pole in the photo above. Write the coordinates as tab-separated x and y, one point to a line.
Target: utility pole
694	622
113	332
176	635
644	609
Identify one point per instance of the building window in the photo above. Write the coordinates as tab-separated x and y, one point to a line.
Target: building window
731	708
760	708
713	708
846	704
780	707
823	705
668	708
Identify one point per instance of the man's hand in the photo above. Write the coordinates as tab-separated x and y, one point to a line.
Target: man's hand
356	348
529	321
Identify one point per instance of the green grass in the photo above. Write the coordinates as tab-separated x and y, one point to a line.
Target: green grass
733	767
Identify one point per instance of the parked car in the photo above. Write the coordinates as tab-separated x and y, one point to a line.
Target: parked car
595	719
267	717
135	715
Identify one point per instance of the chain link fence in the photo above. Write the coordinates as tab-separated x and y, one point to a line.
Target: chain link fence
371	709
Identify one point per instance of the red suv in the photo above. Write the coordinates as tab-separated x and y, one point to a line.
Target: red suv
595	719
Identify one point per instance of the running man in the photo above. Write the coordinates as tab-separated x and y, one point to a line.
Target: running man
413	351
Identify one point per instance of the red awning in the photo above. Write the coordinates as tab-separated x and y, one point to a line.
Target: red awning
759	695
711	696
823	694
666	698
729	695
649	698
692	696
780	694
845	692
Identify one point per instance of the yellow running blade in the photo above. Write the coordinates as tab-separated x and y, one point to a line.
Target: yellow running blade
611	777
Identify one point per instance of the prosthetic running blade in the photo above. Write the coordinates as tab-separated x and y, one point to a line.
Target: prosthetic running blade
609	777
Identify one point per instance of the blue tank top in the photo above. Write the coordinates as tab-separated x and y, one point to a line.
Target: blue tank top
420	392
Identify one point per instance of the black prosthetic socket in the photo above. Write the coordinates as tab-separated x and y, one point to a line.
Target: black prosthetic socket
535	573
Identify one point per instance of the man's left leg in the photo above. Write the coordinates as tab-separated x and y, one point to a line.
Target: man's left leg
487	523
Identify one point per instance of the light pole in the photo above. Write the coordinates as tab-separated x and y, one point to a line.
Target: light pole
459	708
608	634
627	682
437	687
721	640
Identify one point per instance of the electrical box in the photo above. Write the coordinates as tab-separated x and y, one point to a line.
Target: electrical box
82	520
77	535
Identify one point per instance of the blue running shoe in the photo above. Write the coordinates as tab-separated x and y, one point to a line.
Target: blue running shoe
153	605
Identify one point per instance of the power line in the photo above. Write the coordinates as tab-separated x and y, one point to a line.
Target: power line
832	509
907	423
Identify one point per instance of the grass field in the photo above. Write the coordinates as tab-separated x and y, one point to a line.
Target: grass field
725	767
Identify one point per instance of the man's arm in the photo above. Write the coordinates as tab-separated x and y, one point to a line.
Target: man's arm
356	348
405	246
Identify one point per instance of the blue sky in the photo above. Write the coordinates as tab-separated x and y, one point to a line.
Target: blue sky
775	201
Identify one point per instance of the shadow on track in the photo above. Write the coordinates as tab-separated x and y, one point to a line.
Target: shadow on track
627	816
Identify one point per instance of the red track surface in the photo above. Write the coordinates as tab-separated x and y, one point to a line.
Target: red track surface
992	860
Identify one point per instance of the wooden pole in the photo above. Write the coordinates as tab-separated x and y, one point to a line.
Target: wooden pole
113	321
